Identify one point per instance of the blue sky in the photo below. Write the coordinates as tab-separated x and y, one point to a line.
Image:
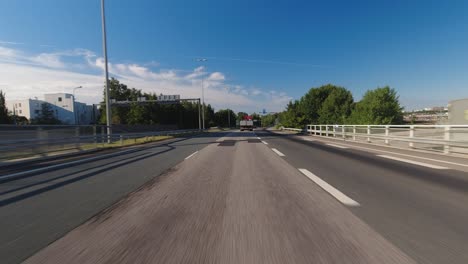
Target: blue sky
260	54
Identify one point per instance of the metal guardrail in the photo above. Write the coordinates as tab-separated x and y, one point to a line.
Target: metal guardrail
18	142
441	138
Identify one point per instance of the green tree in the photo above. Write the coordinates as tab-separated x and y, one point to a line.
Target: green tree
380	106
337	106
269	120
311	103
221	118
292	117
185	115
209	116
241	115
47	116
325	104
19	120
257	119
136	114
4	116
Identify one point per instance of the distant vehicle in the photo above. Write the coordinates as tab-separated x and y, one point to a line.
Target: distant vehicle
246	125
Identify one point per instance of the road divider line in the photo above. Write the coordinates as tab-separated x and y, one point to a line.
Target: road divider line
278	152
414	162
258	138
264	142
343	198
336	146
401	154
191	155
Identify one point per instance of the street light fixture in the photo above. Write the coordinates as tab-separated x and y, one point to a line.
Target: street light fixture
74	103
104	47
203	94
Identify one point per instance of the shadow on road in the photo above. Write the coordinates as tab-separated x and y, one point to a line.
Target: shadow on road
72	180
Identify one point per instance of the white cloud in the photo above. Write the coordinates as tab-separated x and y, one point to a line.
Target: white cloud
216	76
26	76
49	60
10	43
7	53
197	72
256	91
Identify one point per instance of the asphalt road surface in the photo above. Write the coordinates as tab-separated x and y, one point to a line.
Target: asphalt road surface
40	208
239	197
235	201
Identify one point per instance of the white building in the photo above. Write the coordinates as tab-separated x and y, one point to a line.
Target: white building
458	112
29	108
66	109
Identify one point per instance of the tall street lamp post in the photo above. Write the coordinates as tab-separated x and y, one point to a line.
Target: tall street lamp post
74	104
104	47
203	95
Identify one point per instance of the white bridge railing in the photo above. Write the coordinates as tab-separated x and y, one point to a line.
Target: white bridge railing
441	138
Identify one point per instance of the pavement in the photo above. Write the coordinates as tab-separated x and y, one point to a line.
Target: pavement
37	209
241	197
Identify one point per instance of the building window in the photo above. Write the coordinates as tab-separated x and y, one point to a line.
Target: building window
19	104
60	99
16	105
36	111
20	111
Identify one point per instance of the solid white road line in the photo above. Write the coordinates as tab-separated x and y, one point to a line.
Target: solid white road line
191	155
337	146
278	152
264	142
309	139
330	189
406	155
258	138
414	162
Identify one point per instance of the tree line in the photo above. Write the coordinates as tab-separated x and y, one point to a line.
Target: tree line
330	104
184	115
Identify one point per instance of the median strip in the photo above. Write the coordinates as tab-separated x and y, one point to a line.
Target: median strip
330	189
278	152
414	162
191	155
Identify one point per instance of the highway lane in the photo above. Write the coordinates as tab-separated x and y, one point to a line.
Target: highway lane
421	210
38	209
236	201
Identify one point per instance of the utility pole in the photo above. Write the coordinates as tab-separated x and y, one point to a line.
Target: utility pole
203	104
203	94
108	102
74	104
199	115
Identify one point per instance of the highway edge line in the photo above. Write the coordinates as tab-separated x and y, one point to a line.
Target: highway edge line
191	155
371	150
414	162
